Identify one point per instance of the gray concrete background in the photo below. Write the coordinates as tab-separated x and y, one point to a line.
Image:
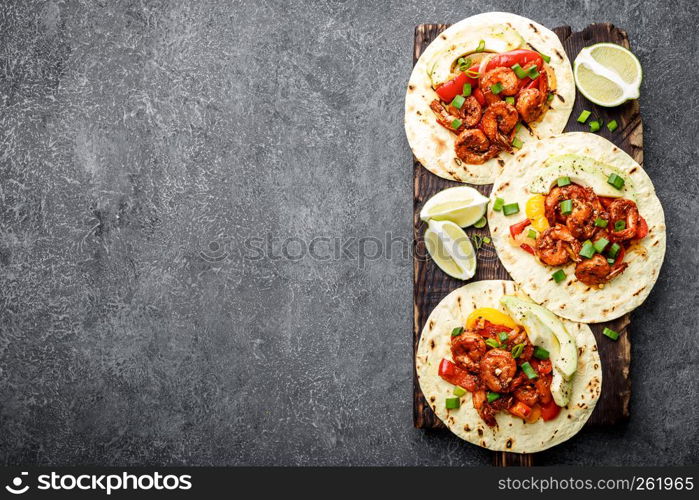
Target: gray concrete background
141	145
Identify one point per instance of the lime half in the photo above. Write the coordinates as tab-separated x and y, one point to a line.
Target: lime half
607	74
462	205
451	249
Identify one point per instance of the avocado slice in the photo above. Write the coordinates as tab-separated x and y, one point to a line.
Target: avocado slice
581	170
546	330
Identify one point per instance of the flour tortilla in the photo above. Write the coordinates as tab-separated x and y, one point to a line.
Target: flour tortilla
511	434
573	299
432	144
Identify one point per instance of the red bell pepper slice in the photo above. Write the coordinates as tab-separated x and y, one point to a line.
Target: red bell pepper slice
524	57
451	88
527	248
478	94
516	229
520	410
642	231
543	366
549	411
491	330
457	376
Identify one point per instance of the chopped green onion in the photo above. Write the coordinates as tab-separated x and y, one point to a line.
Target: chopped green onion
614	250
601	244
502	336
457	331
600	222
467	89
498	204
563	181
464	64
517	143
610	333
456	123
481	46
518	127
584	116
510	209
492	396
611	261
533	73
477	241
541	353
480	223
453	403
566	207
528	370
486	240
459	391
531	234
496	88
549	98
546	58
519	71
588	250
458	101
517	350
620	225
616	181
559	276
492	343
612	125
510	100
594	126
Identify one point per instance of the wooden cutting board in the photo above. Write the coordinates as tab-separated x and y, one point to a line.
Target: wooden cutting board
431	285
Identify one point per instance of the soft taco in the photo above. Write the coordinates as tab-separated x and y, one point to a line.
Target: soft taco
480	90
577	224
505	373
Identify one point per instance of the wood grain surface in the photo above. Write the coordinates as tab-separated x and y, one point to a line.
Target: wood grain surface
431	285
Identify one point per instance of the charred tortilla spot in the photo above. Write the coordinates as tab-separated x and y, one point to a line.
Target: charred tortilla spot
596	366
656	242
560	97
558	53
432	344
467	428
509	443
533	27
411	87
501	162
480	431
633	170
432	399
643	288
431	324
443	37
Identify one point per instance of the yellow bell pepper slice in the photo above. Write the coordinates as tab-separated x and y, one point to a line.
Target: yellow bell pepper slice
536	212
489	314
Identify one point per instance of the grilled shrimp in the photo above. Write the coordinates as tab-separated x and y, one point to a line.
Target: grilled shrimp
556	246
527	394
498	123
472	146
505	77
531	102
498	368
552	205
445	118
627	211
597	270
467	350
486	412
581	221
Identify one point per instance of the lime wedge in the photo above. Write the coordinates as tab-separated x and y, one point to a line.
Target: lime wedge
451	249
462	205
607	74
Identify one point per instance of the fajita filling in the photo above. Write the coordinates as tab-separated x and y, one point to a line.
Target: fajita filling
488	97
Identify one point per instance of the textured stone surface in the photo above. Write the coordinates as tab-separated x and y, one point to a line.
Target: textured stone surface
141	145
